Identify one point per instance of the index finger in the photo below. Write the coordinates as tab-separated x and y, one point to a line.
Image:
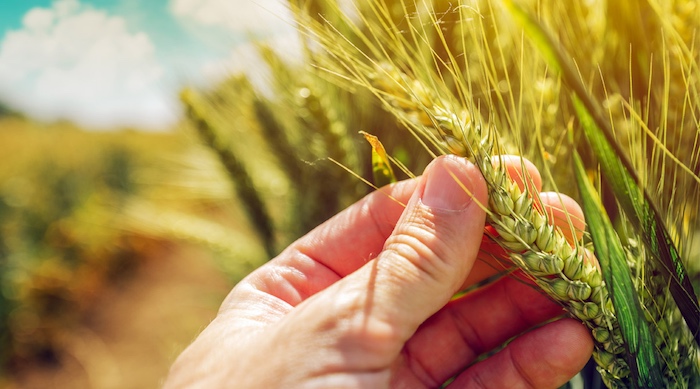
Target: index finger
357	234
331	251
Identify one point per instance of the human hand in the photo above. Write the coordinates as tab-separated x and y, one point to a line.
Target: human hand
364	301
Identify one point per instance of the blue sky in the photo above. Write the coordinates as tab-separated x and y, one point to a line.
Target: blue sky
117	63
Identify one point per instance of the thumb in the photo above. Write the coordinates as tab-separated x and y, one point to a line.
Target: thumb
433	246
370	314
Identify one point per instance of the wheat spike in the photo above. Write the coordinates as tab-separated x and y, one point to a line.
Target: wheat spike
254	204
535	245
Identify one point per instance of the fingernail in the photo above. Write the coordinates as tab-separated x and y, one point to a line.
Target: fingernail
448	184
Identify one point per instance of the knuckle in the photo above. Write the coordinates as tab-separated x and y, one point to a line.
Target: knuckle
360	335
425	244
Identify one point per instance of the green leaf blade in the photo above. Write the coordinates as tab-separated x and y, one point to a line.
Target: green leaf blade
643	360
646	220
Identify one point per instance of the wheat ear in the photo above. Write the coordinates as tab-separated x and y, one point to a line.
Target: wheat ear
534	245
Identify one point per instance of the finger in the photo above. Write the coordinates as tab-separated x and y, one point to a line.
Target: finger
491	260
354	236
546	357
471	326
433	246
521	171
565	213
331	251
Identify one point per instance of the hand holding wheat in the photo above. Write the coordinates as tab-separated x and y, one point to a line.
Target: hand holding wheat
355	304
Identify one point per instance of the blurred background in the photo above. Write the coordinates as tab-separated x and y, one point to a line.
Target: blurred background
126	218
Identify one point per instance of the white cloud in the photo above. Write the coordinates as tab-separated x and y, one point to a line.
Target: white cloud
241	16
75	62
267	20
246	59
38	19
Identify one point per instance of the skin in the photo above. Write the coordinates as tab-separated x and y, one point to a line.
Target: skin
365	301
